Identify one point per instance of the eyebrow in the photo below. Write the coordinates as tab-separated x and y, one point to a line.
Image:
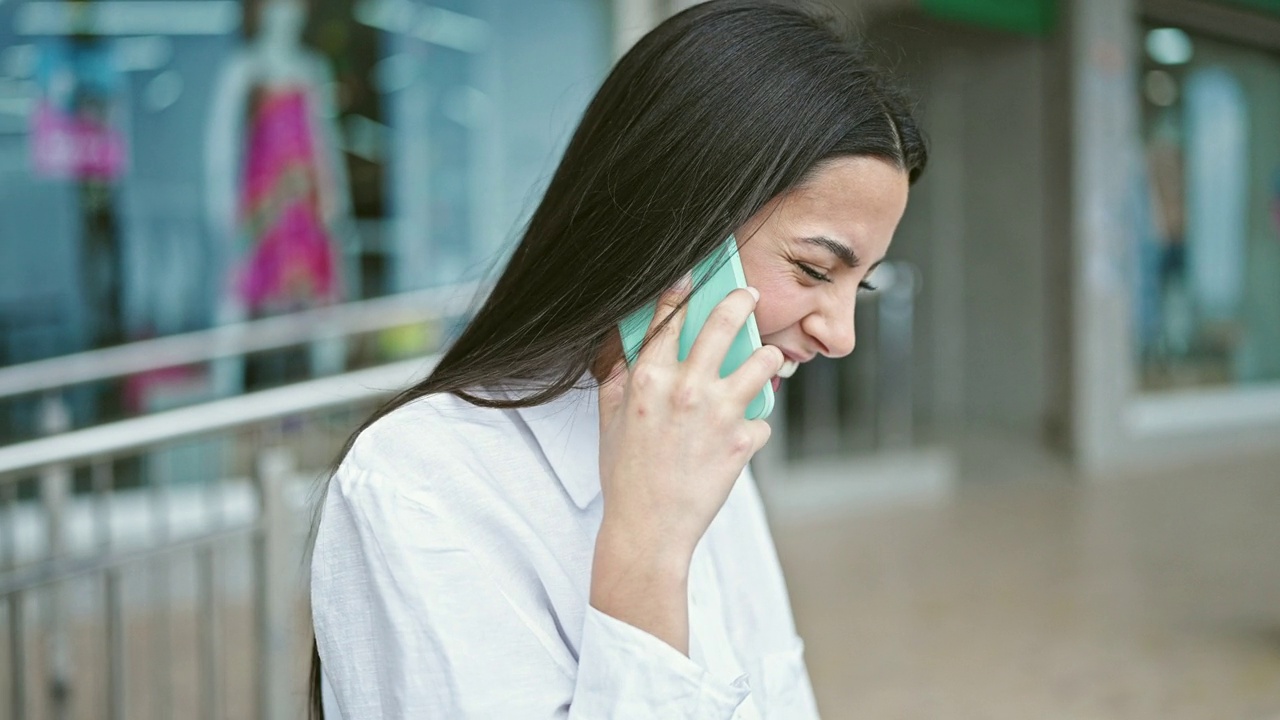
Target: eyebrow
839	249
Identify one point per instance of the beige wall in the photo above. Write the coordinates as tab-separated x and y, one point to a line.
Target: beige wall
991	331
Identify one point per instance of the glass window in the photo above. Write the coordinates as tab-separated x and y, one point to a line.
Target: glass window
172	165
158	158
1208	290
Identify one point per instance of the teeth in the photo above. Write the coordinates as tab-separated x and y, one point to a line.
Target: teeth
788	368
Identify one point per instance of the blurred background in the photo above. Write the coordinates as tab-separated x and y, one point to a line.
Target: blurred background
1046	485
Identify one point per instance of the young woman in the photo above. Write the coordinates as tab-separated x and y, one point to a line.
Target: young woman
538	530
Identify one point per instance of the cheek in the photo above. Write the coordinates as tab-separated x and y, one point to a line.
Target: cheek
781	304
782	299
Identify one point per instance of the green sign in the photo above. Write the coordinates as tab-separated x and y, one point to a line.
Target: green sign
1033	17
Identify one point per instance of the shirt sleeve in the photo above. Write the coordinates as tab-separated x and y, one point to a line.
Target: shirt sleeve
625	672
410	625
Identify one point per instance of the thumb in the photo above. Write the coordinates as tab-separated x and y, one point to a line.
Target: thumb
612	391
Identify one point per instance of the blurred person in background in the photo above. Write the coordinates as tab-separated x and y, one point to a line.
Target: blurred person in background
538	529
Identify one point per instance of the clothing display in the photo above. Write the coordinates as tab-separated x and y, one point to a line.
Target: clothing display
291	262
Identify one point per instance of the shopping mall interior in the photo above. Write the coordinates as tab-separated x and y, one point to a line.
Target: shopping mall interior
1045	485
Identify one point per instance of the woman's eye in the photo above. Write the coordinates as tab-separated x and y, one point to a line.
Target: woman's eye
813	273
816	275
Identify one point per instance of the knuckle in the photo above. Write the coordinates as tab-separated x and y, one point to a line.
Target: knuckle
770	358
763	363
643	377
741	443
685	394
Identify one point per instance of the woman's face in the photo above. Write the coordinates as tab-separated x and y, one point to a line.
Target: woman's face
810	250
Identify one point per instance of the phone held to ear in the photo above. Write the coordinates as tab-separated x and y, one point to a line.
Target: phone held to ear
713	280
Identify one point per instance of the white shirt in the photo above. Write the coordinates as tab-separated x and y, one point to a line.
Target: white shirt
452	571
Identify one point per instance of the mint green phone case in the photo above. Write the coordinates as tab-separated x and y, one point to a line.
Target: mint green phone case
725	275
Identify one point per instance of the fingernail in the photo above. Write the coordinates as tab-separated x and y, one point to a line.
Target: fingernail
754	293
686	283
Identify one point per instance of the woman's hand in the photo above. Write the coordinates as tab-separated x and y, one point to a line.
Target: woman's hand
673	436
673	440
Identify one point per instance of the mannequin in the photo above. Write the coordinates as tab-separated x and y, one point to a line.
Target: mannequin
276	189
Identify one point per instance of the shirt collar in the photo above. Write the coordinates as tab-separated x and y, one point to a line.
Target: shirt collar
568	431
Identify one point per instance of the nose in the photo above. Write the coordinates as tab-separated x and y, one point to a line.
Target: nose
833	329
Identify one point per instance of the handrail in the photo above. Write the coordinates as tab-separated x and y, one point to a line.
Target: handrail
238	338
216	415
49	572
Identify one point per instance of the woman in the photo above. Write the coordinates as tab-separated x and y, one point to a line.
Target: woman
539	531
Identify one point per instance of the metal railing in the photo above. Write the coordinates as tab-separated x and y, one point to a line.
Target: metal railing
316	325
60	672
328	327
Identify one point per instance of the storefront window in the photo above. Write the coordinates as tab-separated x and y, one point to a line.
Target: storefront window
1208	305
168	166
478	99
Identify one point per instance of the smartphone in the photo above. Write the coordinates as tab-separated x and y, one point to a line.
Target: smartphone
713	280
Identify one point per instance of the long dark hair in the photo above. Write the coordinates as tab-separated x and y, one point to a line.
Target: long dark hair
715	112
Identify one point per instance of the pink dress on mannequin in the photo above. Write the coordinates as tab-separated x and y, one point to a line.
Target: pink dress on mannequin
291	263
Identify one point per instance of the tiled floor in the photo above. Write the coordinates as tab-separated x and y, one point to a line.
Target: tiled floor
1031	594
